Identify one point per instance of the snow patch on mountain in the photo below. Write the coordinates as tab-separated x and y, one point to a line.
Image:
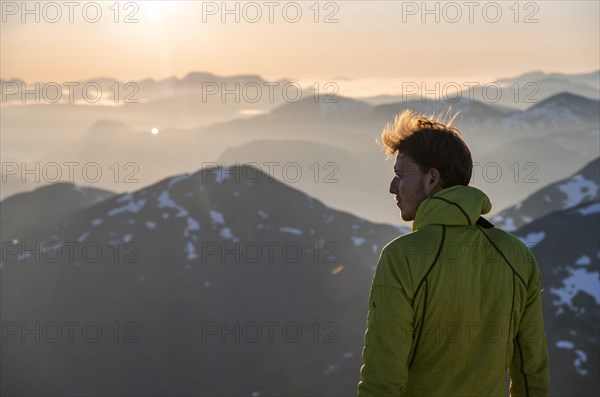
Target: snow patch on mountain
579	280
578	190
178	178
581	358
217	217
509	225
190	250
375	248
132	206
590	209
124	197
228	235
263	214
82	237
358	241
533	239
290	230
165	200
192	225
564	344
583	261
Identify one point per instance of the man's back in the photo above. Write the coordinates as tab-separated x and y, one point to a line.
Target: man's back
453	305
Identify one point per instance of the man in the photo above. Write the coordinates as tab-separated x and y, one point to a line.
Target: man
457	302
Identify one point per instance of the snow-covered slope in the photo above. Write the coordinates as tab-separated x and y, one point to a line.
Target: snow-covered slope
566	246
581	187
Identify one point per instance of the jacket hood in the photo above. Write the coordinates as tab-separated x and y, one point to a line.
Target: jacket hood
456	205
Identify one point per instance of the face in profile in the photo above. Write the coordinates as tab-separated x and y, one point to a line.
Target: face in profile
410	186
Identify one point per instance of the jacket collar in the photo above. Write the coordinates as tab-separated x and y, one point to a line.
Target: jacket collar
456	205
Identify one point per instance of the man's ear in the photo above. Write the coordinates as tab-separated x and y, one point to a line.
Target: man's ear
434	180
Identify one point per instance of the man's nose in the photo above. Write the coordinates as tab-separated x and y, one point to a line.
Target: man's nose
393	188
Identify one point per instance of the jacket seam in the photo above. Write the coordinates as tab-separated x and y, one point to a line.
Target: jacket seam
502	254
424	280
522	369
421	327
457	205
512	307
437	255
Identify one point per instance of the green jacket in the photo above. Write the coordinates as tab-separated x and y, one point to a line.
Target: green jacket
453	305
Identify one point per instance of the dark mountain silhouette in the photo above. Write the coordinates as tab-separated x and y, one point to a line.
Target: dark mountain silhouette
341	179
24	213
318	285
581	187
565	244
188	255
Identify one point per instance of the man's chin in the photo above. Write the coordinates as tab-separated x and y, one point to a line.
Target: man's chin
406	217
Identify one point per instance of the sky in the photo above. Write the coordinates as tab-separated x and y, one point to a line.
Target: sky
352	42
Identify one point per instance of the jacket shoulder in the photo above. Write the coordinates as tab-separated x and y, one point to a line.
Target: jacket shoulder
431	233
516	252
407	258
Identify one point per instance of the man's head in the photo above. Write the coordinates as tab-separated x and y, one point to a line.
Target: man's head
431	156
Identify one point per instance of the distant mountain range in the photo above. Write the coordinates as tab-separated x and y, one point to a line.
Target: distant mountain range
149	90
190	254
190	102
549	141
31	129
498	141
591	79
518	92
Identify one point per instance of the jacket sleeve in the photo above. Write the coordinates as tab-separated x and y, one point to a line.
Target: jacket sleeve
388	336
529	370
